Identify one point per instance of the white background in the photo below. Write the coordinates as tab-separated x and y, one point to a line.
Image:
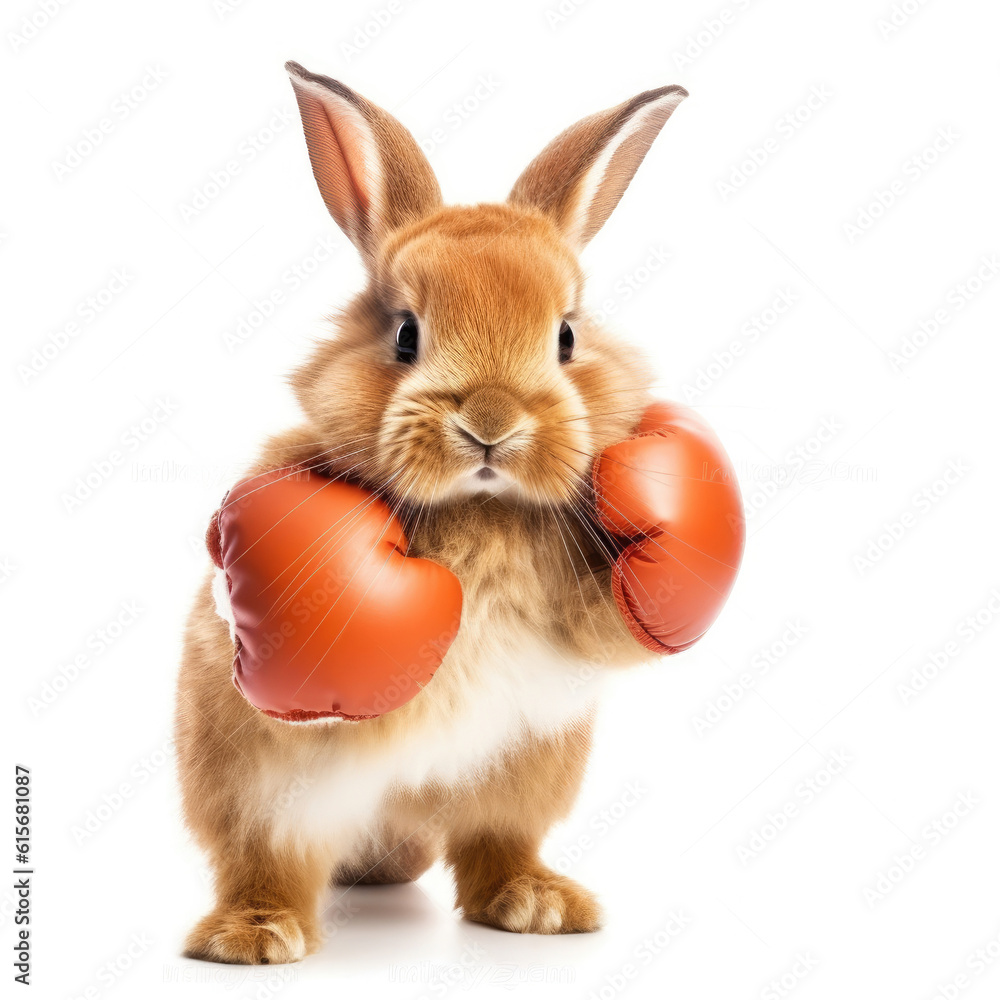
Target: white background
865	771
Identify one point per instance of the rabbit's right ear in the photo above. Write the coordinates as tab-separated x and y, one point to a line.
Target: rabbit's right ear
580	176
371	173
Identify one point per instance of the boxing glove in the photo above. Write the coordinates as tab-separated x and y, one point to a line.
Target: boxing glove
331	617
669	495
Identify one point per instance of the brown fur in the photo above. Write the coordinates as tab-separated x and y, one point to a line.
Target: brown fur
490	285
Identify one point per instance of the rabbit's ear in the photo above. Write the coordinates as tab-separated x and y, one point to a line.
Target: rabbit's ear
371	173
581	175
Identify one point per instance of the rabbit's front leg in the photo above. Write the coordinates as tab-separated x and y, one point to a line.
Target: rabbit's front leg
493	846
266	905
267	889
502	882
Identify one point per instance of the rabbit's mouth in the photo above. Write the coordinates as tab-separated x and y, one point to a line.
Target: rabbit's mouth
487	480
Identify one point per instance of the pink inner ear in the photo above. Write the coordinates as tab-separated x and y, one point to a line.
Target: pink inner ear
338	162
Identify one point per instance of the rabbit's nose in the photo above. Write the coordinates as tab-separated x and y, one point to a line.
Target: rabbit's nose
475	438
489	416
472	437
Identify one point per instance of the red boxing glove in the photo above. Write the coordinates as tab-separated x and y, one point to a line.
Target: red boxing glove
332	618
670	490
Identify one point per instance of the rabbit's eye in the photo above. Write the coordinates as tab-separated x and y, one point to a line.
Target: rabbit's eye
406	341
566	341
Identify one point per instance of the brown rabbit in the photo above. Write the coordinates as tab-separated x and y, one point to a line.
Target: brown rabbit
470	335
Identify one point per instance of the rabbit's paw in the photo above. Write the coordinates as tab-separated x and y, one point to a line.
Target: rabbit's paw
253	937
540	903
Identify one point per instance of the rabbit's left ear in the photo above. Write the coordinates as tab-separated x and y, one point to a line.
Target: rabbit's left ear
370	170
581	175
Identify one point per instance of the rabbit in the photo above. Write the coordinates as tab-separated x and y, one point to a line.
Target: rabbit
469	335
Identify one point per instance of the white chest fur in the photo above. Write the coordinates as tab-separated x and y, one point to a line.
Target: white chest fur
497	685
